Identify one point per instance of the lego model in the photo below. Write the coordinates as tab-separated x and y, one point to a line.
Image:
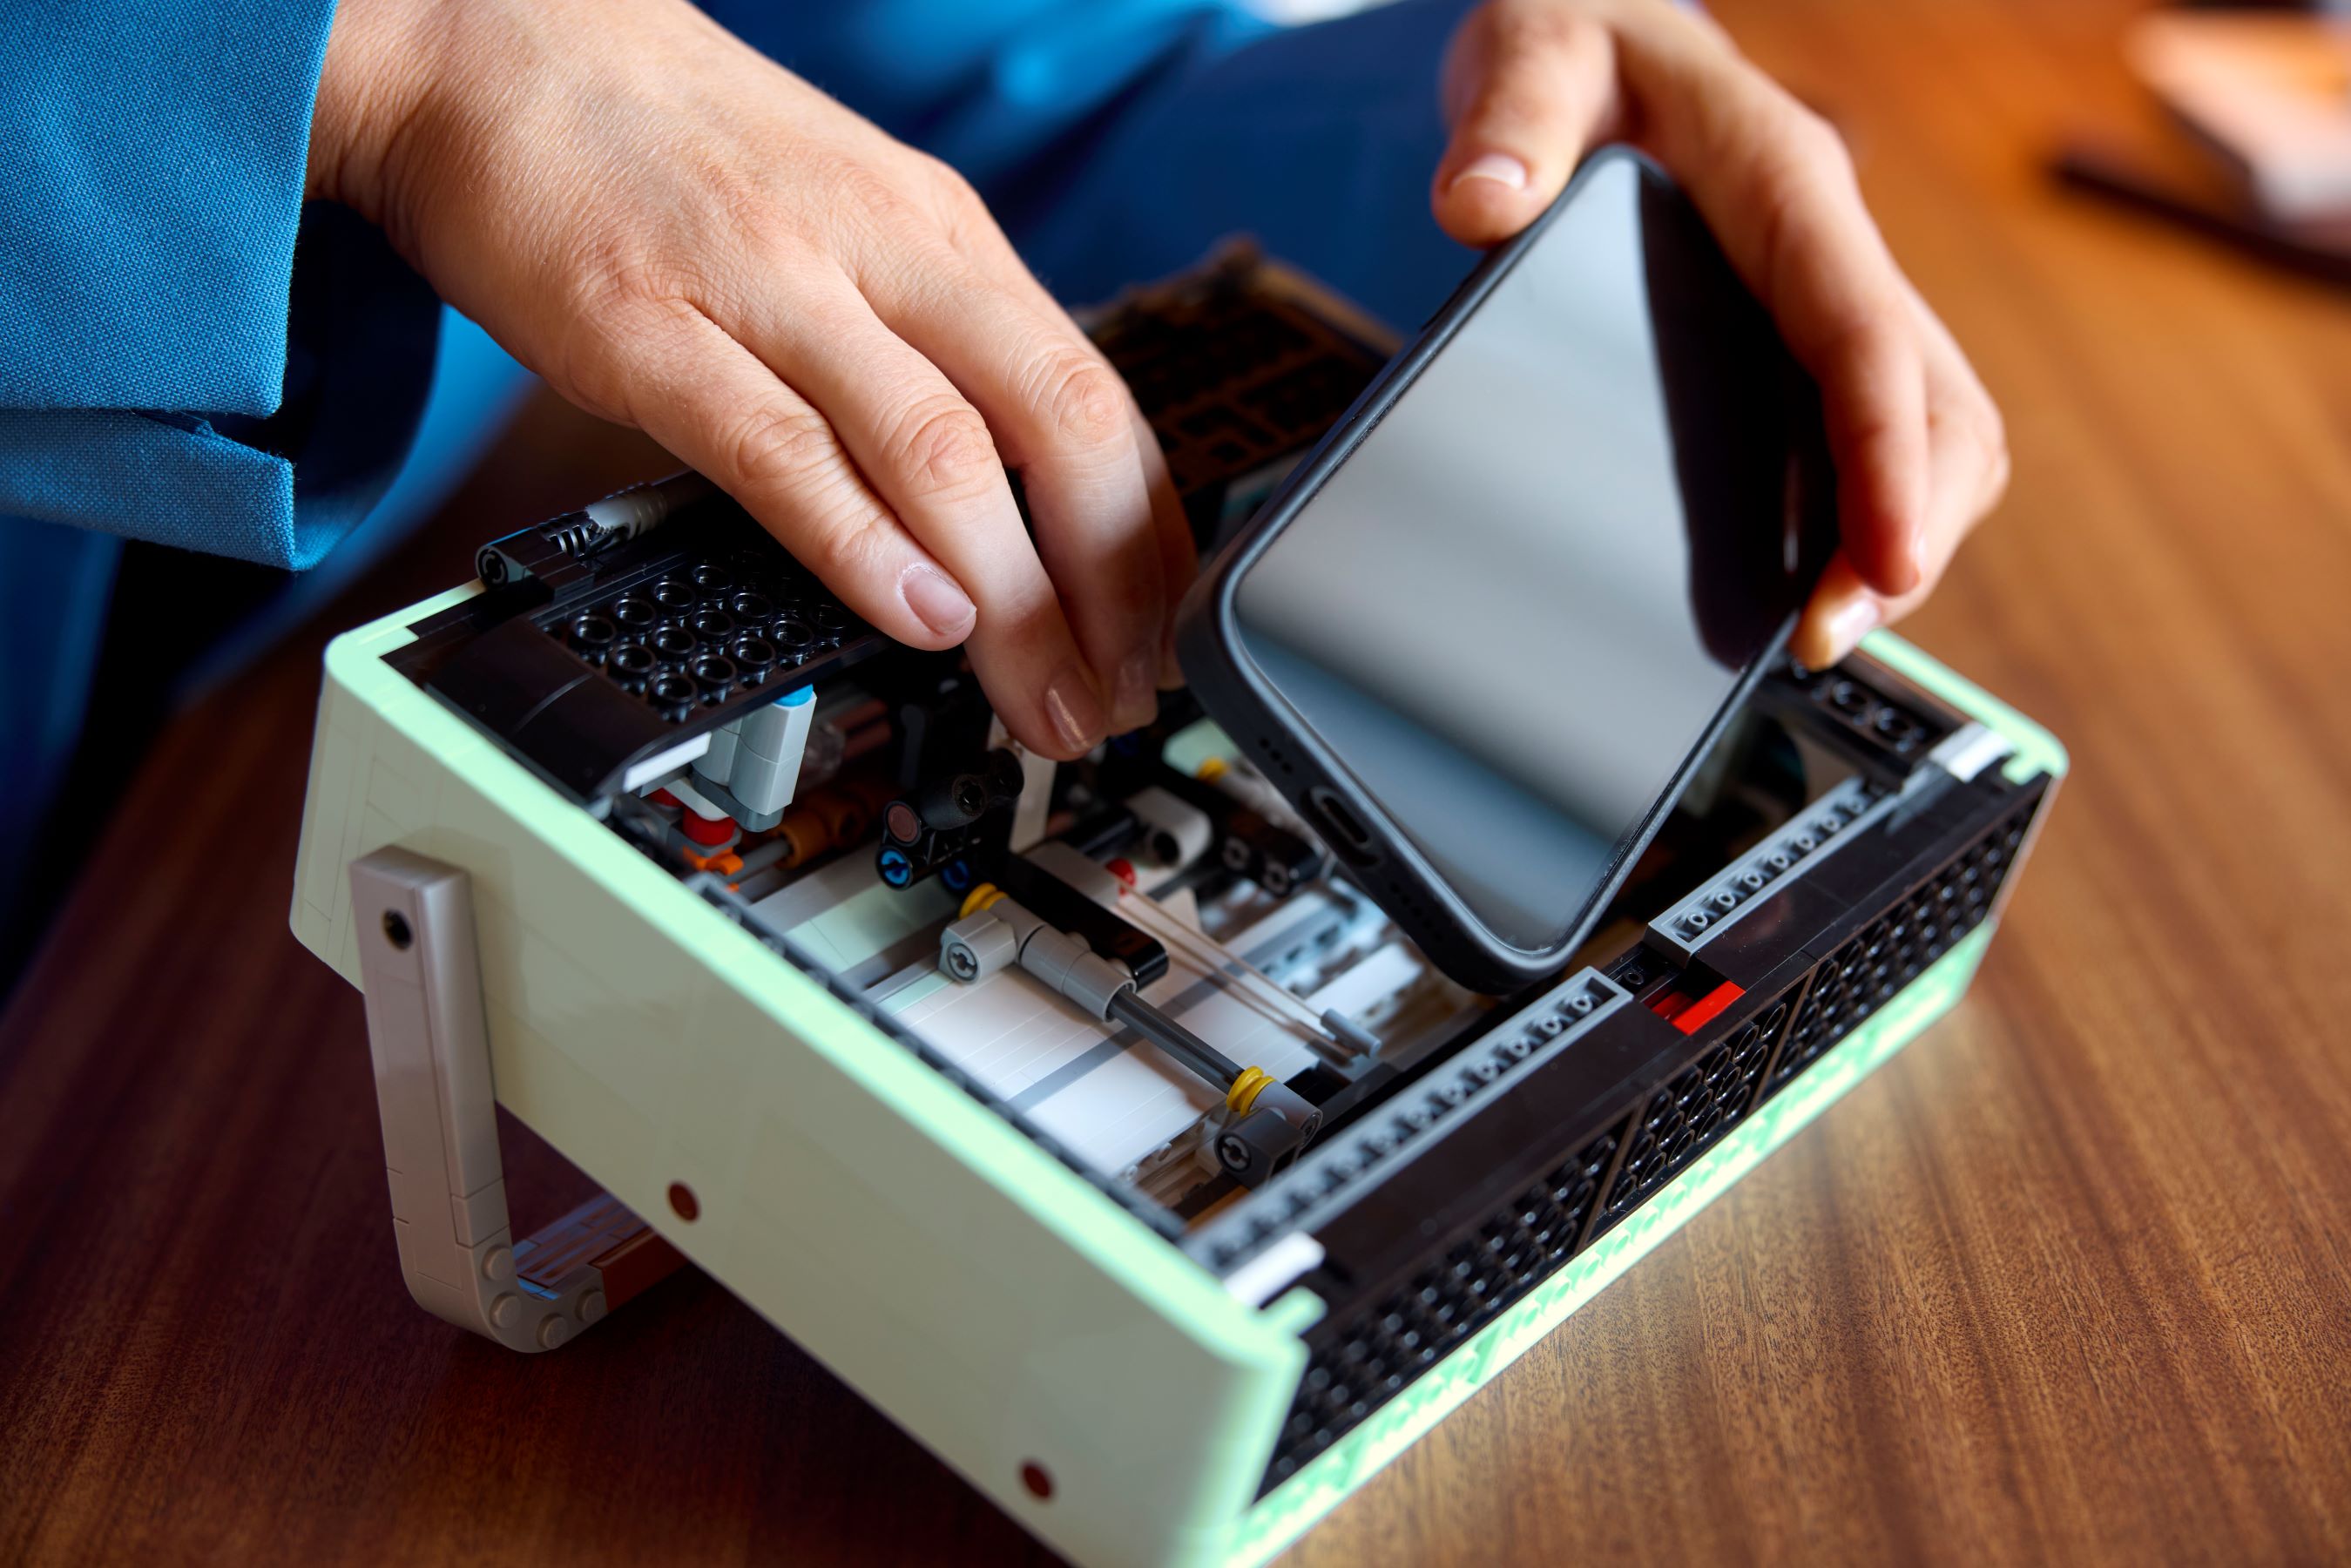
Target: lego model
1085	1117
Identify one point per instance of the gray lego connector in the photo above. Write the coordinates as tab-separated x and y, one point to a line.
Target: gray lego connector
717	764
1291	1106
1263	1142
977	945
1004	931
767	751
755	760
1355	1037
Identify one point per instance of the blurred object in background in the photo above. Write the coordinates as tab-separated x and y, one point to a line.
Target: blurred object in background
2269	92
2252	142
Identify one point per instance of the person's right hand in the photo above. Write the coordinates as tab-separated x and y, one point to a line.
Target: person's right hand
681	235
1921	454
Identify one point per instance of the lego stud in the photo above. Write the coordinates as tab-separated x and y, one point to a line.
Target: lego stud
1037	1480
505	1309
683	1203
552	1331
592	1307
497	1265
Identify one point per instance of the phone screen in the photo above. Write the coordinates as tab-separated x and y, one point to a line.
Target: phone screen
1517	606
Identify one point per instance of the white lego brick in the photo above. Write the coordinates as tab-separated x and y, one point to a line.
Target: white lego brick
1968	750
655	766
1263	1277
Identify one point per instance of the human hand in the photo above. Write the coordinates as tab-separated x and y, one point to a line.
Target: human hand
680	236
1532	85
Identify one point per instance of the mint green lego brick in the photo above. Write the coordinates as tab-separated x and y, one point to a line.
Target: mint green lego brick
2037	750
1194	744
653	1039
1292	1507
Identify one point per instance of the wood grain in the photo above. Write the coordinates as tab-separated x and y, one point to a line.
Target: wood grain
2071	1279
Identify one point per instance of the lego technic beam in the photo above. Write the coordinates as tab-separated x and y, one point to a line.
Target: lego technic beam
428	1037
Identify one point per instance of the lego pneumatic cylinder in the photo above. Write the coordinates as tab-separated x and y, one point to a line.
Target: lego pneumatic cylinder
1269	1124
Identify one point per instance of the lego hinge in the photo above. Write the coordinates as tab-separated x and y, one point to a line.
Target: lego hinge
428	1037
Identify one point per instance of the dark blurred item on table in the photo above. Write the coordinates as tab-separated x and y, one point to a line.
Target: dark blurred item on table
2252	144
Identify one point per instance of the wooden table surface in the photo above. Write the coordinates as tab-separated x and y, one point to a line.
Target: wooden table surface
2070	1278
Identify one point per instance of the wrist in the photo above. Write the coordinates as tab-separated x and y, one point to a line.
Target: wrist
371	89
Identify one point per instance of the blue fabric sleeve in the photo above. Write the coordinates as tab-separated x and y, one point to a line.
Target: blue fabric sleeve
161	376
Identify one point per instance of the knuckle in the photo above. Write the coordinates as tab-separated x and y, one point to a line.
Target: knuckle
780	450
964	213
1990	432
609	267
615	280
594	357
791	460
947	184
844	543
863	200
942	447
1514	101
1817	146
1527	30
1083	400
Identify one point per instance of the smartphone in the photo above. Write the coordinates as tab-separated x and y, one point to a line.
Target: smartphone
1481	636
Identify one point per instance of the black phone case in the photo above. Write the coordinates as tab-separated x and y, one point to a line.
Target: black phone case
1378	855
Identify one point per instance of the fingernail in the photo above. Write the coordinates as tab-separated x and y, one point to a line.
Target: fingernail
1134	700
1502	169
1076	712
1853	619
936	601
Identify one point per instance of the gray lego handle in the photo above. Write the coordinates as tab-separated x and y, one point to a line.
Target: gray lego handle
428	1036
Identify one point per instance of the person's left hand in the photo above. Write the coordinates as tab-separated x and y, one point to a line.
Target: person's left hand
1532	85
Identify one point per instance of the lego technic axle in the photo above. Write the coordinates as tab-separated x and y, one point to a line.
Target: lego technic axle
1268	1124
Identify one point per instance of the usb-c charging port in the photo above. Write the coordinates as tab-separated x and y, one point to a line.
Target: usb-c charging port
1340	825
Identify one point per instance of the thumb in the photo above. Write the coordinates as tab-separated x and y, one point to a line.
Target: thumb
1528	87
